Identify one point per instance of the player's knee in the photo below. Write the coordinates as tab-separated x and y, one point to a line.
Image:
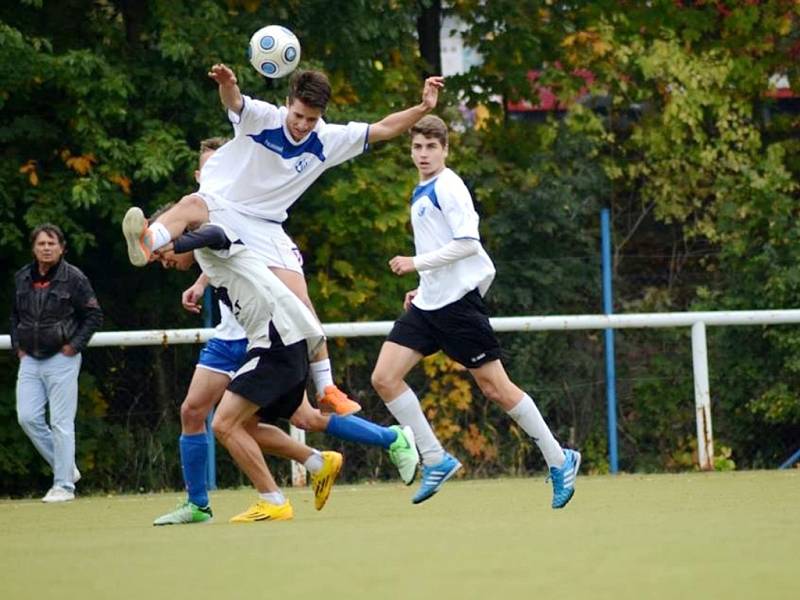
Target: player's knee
384	383
222	428
193	209
192	417
490	389
191	202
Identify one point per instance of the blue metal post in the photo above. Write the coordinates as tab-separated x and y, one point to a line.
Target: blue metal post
608	334
211	466
791	460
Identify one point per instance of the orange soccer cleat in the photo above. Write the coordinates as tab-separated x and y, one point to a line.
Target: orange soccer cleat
336	401
137	236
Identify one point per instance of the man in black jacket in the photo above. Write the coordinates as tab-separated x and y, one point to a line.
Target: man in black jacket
54	315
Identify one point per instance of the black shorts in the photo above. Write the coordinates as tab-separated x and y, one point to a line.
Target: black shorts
274	379
461	329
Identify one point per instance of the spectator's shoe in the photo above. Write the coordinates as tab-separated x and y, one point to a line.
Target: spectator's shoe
58	494
322	481
403	454
336	401
433	477
76	475
563	478
186	513
137	237
264	511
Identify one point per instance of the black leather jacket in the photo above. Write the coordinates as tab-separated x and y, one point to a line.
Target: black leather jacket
65	312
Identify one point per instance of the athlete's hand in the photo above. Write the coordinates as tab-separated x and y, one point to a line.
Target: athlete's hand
409	297
400	265
222	74
191	297
430	92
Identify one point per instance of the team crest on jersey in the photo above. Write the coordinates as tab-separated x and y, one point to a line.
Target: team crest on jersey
301	164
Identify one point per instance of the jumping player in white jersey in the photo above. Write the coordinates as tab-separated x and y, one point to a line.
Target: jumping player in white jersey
446	312
251	182
219	360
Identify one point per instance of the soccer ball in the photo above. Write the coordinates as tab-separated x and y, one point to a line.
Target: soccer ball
274	51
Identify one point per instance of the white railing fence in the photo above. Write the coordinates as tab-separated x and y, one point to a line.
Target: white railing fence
697	321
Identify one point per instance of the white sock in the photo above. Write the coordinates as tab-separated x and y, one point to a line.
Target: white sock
407	411
322	375
276	498
530	419
314	462
161	236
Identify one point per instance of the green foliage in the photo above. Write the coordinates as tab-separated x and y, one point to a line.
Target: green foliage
102	105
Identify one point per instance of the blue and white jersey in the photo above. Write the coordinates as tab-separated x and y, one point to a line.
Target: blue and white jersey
262	171
442	211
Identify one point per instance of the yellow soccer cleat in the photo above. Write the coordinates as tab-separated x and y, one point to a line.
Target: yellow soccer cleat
322	481
264	511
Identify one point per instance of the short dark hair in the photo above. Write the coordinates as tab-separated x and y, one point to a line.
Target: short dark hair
213	143
310	87
430	126
49	229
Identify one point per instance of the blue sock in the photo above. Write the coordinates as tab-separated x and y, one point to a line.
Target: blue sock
194	459
356	429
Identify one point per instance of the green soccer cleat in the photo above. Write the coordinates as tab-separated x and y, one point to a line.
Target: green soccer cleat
184	514
403	454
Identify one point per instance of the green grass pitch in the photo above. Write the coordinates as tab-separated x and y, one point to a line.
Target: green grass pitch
702	535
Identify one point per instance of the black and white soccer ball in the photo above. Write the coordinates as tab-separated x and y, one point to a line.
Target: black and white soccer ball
274	51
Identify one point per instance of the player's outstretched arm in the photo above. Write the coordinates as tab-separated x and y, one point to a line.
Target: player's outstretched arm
399	122
229	91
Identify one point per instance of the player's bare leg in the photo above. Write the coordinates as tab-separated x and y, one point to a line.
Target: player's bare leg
230	426
143	238
388	378
562	463
205	390
329	397
323	466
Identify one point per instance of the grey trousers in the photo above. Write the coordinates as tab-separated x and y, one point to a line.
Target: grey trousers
50	382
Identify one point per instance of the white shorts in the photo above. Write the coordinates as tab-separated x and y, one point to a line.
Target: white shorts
266	238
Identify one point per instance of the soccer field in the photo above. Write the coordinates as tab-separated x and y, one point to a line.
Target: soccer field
715	535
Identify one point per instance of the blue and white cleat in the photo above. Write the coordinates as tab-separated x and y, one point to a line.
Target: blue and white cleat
563	478
433	477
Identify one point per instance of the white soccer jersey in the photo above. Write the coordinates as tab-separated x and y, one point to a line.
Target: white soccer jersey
442	211
228	328
262	171
260	302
